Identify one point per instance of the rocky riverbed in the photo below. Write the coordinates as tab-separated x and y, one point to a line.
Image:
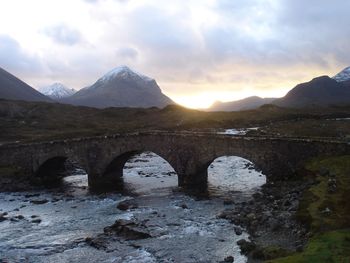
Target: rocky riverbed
153	221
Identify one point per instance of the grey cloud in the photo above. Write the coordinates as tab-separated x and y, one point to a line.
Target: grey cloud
304	33
155	29
318	28
63	34
298	32
127	53
15	59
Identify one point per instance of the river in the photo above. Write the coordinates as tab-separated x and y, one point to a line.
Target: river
54	225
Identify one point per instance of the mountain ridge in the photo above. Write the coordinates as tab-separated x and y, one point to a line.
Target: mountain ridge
320	91
121	87
248	103
12	88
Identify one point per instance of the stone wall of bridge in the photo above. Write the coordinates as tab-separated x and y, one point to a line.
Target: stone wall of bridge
103	158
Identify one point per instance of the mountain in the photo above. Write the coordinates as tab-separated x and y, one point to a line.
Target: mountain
12	88
121	87
343	75
321	91
57	91
244	104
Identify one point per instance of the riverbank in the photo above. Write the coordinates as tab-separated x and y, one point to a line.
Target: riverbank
304	220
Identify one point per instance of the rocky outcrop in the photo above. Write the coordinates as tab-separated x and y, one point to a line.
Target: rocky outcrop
270	218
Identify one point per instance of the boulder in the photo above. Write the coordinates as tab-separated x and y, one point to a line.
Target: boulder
128	229
246	246
127	204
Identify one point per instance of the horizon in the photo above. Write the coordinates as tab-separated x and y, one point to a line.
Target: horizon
198	53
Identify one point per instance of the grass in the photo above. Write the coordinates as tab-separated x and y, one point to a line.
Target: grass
270	252
29	121
319	200
327	247
327	213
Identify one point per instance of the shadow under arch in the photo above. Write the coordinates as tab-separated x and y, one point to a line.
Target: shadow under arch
51	172
115	170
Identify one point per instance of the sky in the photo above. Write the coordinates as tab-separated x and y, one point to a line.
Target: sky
199	51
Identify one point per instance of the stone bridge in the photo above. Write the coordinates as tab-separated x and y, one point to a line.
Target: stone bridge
190	154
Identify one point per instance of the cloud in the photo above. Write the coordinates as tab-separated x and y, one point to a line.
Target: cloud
188	46
127	53
15	59
63	34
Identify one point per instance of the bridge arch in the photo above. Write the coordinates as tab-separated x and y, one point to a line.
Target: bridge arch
53	168
113	173
197	177
230	173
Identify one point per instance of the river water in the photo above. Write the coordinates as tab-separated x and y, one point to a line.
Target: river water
53	225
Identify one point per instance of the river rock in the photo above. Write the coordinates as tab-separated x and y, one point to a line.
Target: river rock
228	202
246	246
229	259
39	202
238	231
36	221
95	242
127	204
128	229
183	206
3	217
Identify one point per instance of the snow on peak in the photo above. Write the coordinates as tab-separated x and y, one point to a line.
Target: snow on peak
123	72
56	91
344	75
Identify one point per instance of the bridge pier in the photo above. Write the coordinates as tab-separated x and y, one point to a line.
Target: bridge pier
105	183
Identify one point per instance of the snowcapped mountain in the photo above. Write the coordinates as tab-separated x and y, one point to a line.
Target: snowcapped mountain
121	87
57	91
344	75
123	72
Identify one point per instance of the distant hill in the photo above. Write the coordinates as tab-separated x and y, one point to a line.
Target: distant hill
12	88
321	91
238	105
121	87
57	91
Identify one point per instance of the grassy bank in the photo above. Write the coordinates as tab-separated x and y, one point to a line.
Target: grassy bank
325	208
